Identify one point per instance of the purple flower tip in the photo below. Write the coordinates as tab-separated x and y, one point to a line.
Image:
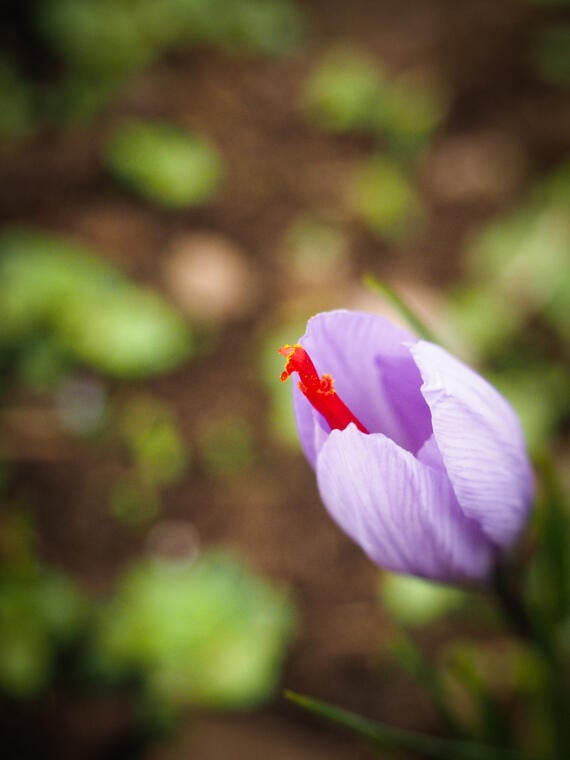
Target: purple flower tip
427	470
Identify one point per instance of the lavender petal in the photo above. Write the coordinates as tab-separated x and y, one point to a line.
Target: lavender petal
481	443
401	512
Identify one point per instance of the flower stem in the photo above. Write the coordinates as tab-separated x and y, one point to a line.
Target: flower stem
530	630
516	613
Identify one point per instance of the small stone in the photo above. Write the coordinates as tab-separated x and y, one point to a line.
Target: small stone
210	278
175	540
485	167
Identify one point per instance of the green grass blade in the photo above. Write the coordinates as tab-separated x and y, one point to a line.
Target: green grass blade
394	738
395	300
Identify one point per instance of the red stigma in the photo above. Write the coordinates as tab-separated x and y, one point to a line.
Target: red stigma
318	390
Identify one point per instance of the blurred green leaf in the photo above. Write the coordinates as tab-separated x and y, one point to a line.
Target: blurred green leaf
554	190
40	275
17	536
17	106
349	92
384	198
272	27
43	364
155	443
79	97
164	163
128	332
90	312
343	92
108	37
540	413
408	114
551	53
525	255
519	269
227	445
104	42
208	633
39	610
484	320
416	602
105	36
24	663
134	501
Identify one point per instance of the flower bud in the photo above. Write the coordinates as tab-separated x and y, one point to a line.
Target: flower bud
425	464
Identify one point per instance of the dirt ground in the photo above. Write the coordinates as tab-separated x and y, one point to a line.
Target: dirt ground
505	128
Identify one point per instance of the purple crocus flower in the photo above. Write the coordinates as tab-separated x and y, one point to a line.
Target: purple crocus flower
418	459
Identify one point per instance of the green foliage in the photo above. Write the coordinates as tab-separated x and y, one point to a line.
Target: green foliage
17	107
486	320
257	26
525	255
149	429
42	363
207	633
514	314
88	311
226	445
551	54
549	582
113	38
343	91
39	611
102	43
128	332
412	660
384	198
468	662
514	310
405	311
134	501
157	458
540	413
106	37
520	276
164	164
416	602
273	27
177	634
409	113
349	92
78	98
40	275
387	738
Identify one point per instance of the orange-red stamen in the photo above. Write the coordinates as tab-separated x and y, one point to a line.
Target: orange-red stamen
318	390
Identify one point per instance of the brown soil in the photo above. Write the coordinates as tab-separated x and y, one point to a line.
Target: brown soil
278	167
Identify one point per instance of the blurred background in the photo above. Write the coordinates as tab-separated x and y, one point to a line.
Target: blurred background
182	184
